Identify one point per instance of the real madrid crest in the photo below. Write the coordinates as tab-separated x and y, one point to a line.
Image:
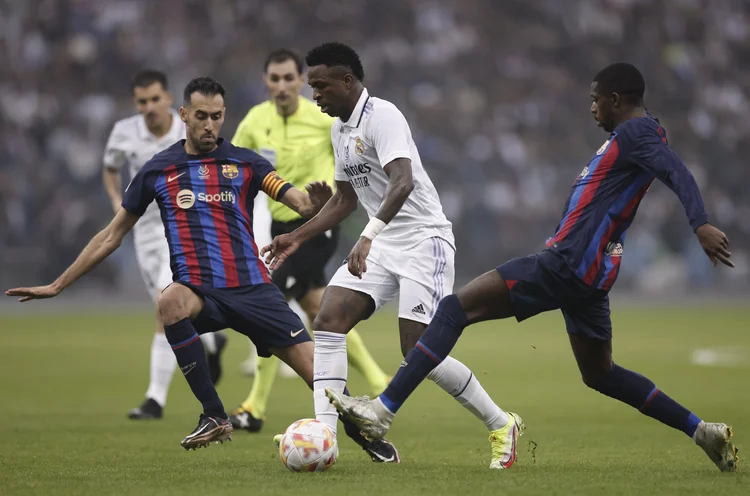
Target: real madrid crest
229	171
359	147
603	147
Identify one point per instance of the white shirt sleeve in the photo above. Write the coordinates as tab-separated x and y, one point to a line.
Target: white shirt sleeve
261	220
115	151
389	134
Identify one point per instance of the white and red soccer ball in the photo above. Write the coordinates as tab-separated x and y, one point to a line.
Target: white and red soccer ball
308	445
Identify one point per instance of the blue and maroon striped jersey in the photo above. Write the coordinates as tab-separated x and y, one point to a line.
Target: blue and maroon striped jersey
606	195
206	204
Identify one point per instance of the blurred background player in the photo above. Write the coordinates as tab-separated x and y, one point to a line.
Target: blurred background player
293	134
576	272
406	249
131	144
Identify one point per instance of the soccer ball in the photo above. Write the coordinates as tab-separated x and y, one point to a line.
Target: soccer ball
308	445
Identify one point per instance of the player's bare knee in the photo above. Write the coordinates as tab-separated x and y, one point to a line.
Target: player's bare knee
327	321
171	304
593	375
591	380
341	309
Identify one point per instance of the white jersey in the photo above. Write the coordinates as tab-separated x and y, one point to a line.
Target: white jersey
376	134
131	144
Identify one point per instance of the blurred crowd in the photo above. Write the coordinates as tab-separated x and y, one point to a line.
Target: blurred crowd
496	94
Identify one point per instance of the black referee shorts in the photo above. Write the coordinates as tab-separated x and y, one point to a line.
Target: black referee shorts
305	270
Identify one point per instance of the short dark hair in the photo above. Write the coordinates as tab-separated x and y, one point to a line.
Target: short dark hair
146	78
204	85
624	79
282	55
333	54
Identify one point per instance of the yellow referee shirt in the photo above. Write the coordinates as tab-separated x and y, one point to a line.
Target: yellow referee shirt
298	146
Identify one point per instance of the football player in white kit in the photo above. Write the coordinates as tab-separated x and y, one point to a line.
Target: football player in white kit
132	142
406	249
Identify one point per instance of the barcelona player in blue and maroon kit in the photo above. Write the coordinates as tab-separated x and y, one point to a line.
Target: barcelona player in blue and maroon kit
575	273
205	188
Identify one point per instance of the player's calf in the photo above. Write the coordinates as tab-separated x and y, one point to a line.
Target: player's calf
187	346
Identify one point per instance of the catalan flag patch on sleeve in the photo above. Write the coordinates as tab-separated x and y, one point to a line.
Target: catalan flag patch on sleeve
273	185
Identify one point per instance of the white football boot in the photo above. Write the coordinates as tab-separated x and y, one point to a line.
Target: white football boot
370	416
714	438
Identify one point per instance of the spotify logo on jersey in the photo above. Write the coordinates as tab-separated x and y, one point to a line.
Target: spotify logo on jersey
185	199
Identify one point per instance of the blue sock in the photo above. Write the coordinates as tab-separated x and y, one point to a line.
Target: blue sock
191	357
431	349
639	392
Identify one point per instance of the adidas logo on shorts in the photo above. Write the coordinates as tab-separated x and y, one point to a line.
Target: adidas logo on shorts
419	309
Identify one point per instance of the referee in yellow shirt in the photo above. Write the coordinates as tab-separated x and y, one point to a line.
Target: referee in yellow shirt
295	136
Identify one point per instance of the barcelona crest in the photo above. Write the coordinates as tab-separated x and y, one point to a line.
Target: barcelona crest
229	171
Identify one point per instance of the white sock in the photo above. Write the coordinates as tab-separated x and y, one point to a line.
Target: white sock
457	380
209	342
330	371
382	411
163	364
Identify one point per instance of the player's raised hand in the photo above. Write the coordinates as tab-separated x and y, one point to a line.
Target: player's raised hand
715	244
281	248
319	193
36	293
357	259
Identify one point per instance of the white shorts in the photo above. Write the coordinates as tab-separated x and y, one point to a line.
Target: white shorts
153	260
422	275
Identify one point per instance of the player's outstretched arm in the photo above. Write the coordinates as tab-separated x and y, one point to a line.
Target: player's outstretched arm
338	208
99	248
400	185
669	169
308	205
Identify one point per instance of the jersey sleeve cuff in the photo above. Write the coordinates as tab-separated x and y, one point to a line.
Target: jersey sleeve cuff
699	221
393	156
132	210
286	187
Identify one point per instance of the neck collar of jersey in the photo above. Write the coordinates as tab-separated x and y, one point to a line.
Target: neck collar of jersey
145	134
359	110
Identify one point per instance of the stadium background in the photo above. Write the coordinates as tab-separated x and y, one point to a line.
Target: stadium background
496	94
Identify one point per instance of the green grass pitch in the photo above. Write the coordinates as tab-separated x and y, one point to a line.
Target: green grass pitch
67	381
